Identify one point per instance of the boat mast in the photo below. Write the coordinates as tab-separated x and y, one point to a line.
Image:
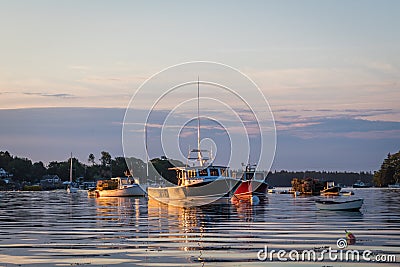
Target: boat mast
70	169
147	153
198	123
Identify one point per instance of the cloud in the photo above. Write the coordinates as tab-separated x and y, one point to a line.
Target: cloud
346	127
112	80
315	114
59	95
384	67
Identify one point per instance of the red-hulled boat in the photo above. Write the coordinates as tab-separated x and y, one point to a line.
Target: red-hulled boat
252	184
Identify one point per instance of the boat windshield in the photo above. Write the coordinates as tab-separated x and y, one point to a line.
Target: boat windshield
191	173
224	172
203	172
125	181
214	172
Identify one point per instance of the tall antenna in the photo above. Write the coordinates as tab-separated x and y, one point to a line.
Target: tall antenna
70	169
198	122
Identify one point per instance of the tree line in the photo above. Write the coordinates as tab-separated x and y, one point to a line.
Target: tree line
24	170
389	172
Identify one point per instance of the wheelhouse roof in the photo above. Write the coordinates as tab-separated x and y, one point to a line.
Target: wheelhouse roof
198	167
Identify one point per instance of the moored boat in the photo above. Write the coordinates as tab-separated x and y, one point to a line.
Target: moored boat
196	186
360	184
117	187
330	189
271	190
71	187
252	184
349	205
395	185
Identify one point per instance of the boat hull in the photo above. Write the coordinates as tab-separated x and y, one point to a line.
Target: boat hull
198	195
249	188
351	205
130	191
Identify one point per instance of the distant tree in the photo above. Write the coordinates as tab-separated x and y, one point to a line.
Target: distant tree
389	172
38	170
106	166
105	158
62	169
21	169
59	168
5	159
161	167
91	159
78	168
119	166
93	172
136	167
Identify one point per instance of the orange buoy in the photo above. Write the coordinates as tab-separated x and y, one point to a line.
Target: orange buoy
351	239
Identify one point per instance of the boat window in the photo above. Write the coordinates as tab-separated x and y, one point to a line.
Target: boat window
191	173
224	172
249	175
214	172
203	172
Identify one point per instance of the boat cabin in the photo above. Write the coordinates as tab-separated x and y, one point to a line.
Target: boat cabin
329	184
194	175
250	173
116	183
125	181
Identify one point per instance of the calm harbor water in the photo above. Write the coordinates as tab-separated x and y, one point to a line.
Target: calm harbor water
57	229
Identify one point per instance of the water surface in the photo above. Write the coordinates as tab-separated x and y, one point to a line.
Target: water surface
57	229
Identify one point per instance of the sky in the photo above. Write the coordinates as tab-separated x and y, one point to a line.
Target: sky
330	71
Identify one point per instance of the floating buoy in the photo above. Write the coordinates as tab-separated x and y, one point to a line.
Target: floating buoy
351	239
254	200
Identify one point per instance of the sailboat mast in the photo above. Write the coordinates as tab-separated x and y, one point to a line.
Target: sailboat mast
147	153
70	169
198	122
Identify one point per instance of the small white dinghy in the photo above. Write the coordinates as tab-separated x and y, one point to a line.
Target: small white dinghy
350	205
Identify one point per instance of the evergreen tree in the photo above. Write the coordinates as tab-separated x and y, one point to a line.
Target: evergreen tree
389	172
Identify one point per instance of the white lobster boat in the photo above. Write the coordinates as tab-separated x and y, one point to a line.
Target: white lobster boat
118	187
197	186
349	205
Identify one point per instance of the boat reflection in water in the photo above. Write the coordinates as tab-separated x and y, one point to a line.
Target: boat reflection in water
188	227
247	211
118	209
